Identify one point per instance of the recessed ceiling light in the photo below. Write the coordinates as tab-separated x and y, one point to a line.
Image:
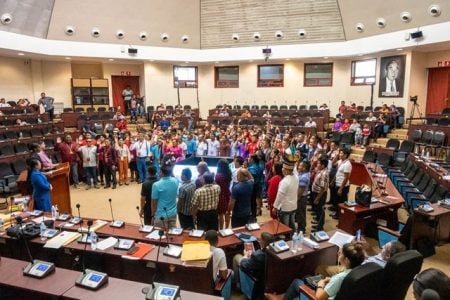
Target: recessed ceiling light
20	54
399	49
111	59
68	58
325	57
217	62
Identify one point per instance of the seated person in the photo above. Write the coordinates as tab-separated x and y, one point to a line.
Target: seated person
346	126
337	125
220	270
350	256
246	114
161	107
385	109
267	114
23	102
20	122
431	279
254	263
353	107
3	103
122	124
224	113
371	117
323	107
310	123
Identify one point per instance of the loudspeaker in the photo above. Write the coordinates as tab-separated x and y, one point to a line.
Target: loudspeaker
132	51
416	35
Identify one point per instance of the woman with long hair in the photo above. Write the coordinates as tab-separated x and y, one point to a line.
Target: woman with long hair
273	183
41	187
223	179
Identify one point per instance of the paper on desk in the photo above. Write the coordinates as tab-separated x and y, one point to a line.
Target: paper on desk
97	225
107	243
63	238
39	220
195	250
154	235
340	238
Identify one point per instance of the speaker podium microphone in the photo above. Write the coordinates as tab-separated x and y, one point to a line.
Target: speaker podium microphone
143	228
36	268
115	223
90	279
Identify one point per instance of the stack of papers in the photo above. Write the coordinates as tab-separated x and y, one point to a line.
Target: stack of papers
63	238
106	243
97	225
195	251
154	235
340	239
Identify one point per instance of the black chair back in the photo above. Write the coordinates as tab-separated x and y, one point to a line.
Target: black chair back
399	272
313	107
393	143
363	282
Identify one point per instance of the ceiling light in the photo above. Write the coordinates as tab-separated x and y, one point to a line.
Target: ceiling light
434	10
399	49
6	19
120	34
405	17
95	32
67	58
143	35
359	27
185	39
381	22
325	57
111	59
235	37
20	54
164	37
217	62
279	35
70	30
301	33
257	36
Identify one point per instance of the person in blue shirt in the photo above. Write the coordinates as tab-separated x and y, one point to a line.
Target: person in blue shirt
164	199
41	186
241	194
164	123
155	149
257	170
191	146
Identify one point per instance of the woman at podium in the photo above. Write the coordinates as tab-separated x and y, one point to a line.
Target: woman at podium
41	186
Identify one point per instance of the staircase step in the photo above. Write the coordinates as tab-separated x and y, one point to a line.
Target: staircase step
397	136
358	151
356	156
400	131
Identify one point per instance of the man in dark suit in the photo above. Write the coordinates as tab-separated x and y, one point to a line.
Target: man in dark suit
390	85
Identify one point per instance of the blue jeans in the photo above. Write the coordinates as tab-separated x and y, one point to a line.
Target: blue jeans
90	174
293	291
142	169
74	172
287	218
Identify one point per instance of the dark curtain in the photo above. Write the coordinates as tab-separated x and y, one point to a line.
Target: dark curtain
438	82
118	84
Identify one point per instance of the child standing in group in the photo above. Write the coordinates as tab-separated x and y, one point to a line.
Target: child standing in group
365	134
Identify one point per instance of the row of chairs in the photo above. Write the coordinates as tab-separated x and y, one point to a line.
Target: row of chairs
401	152
34	132
416	185
168	107
89	109
15	111
439	121
281	114
429	139
20	148
11	122
105	116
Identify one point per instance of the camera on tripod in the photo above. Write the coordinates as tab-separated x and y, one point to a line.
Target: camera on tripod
413	99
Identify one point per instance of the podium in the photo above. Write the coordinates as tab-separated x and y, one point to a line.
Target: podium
59	179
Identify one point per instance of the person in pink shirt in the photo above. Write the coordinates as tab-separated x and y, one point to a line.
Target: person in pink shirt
47	163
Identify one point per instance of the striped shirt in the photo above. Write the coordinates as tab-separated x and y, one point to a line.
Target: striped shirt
186	192
320	181
206	197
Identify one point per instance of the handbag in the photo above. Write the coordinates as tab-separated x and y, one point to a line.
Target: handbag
363	195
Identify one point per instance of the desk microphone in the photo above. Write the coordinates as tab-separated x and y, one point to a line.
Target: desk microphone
77	220
36	268
143	228
165	229
115	223
90	279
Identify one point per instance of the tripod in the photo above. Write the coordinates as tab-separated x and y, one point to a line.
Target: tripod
413	111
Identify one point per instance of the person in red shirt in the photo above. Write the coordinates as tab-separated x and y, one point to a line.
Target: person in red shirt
342	108
252	146
272	188
122	124
346	126
69	153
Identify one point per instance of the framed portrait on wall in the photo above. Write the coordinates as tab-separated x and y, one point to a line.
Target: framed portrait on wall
392	76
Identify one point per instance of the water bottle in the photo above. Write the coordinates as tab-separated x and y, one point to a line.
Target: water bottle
53	212
294	243
43	229
300	241
93	241
56	212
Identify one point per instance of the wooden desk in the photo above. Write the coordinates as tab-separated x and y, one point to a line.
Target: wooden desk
436	173
55	284
284	267
440	216
379	150
353	218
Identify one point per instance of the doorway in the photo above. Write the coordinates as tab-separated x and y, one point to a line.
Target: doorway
118	84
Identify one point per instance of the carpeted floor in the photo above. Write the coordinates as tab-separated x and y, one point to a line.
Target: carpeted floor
94	204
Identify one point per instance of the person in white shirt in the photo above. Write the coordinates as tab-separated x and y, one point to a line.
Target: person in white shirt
371	117
143	153
219	260
339	192
285	204
311	123
89	157
213	146
3	103
202	147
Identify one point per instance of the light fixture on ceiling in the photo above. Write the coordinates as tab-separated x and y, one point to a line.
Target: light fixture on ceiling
68	58
143	35
279	34
235	37
95	32
405	17
6	19
120	34
359	27
434	10
325	57
110	59
69	30
164	37
381	22
257	36
301	33
21	54
185	39
399	49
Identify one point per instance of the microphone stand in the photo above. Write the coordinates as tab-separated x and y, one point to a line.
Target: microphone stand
114	223
143	228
